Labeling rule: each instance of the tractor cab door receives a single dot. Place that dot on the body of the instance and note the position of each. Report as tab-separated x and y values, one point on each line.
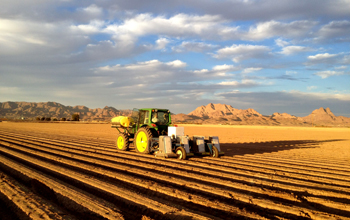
135	115
143	118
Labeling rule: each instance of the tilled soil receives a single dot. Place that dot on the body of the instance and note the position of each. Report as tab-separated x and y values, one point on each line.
47	174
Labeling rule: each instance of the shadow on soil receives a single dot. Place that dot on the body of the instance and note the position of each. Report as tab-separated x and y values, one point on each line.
232	149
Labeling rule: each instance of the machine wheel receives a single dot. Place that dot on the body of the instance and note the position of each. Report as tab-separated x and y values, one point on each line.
215	152
141	140
122	142
181	153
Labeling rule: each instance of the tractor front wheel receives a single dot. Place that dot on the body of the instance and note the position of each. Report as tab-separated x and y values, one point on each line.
181	153
122	142
142	140
215	152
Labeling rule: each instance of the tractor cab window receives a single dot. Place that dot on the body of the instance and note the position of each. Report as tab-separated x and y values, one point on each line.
135	114
160	118
144	116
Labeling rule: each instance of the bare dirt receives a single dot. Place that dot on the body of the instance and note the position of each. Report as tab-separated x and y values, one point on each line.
72	171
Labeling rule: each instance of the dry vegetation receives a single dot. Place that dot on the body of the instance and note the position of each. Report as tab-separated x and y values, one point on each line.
72	171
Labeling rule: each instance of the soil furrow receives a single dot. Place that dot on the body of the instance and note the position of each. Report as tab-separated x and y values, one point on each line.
23	204
97	186
335	180
63	194
258	177
274	176
322	170
317	165
260	202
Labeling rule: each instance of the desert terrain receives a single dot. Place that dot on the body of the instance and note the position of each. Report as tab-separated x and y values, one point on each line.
73	171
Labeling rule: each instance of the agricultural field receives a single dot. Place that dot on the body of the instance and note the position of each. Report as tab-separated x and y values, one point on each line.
73	171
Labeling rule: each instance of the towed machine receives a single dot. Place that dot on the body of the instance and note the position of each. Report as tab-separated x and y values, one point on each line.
151	132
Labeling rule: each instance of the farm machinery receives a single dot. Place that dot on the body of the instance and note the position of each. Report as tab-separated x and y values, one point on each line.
151	132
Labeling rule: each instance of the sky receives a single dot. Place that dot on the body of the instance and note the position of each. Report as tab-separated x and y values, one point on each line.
281	56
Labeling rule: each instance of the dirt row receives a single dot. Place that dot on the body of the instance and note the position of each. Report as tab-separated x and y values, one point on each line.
88	177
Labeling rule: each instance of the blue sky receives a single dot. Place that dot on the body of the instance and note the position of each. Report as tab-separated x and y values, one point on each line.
274	56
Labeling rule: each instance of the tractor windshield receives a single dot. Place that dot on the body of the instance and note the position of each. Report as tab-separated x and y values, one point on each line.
160	118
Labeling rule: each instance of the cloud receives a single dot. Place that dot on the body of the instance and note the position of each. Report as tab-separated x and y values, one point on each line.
328	73
340	67
93	9
281	43
251	69
270	29
324	58
198	47
242	52
335	31
177	64
243	83
175	26
311	87
291	50
161	43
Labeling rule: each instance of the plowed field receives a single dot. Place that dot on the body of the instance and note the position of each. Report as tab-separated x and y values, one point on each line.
73	171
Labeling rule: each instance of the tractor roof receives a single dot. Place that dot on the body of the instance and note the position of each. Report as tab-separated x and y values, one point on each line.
159	109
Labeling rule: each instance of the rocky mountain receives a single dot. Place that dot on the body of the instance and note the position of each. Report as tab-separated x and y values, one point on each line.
209	114
31	110
226	114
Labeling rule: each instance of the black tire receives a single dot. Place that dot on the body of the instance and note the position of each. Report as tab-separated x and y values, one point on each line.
181	152
142	140
122	142
215	152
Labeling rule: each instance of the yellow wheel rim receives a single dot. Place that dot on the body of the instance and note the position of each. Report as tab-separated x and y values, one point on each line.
179	154
141	141
120	142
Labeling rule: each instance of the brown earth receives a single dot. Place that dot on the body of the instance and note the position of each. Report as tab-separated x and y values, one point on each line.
72	171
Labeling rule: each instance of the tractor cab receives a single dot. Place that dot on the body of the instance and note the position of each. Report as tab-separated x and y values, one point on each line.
156	119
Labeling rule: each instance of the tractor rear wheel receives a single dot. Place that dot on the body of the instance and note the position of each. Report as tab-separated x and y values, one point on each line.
215	152
142	140
181	153
122	142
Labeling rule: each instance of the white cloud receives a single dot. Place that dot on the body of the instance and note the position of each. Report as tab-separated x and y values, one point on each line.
194	46
311	87
93	9
93	27
176	26
328	73
242	52
243	83
281	43
340	67
224	67
265	30
322	56
161	43
290	50
251	69
177	64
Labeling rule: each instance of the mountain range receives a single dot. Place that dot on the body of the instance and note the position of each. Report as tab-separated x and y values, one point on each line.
209	114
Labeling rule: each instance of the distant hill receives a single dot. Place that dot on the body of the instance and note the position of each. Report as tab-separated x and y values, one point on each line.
226	114
31	110
209	114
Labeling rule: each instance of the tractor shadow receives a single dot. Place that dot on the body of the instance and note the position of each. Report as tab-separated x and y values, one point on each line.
232	149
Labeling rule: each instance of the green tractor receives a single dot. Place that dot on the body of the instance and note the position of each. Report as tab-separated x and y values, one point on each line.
144	124
150	130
